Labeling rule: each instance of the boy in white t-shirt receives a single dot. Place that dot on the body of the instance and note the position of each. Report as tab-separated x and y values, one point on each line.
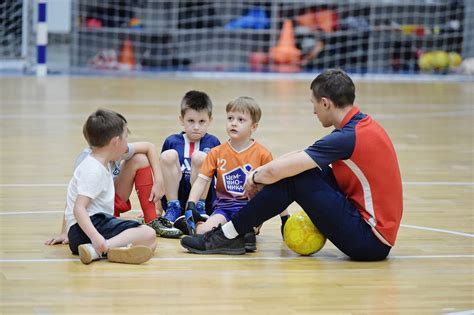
93	231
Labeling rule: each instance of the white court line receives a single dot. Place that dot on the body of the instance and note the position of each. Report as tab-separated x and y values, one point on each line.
436	230
30	212
433	183
467	312
32	185
233	258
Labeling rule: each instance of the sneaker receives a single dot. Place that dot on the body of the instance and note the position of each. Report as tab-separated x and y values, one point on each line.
164	228
87	253
201	207
181	225
137	254
250	242
173	212
213	242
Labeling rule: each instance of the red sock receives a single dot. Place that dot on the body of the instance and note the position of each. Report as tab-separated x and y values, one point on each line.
143	185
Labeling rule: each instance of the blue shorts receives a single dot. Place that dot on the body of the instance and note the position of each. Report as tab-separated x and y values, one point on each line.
107	225
227	213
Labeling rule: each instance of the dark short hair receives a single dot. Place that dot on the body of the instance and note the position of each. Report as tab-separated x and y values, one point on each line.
335	85
196	100
103	125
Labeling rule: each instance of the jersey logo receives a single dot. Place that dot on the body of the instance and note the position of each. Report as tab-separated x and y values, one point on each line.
186	168
234	180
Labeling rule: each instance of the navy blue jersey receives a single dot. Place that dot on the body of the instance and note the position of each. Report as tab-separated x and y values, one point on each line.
186	148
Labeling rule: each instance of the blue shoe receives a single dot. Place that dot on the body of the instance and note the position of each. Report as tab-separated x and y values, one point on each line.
173	212
201	208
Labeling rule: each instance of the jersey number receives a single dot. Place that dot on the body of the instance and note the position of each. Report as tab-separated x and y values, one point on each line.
221	164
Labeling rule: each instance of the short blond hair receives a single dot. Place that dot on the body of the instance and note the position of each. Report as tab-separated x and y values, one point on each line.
245	104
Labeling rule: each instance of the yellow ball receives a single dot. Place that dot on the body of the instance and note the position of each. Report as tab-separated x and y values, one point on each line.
455	59
425	62
440	60
301	236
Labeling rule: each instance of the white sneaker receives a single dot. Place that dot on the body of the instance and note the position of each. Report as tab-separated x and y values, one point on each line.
87	253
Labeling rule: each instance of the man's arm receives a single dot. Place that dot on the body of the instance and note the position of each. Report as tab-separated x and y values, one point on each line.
285	166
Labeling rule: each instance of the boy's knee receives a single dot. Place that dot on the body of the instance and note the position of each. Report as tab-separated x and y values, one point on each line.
198	158
148	233
169	156
139	160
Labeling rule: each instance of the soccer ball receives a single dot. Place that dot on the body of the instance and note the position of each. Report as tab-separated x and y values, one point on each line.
301	236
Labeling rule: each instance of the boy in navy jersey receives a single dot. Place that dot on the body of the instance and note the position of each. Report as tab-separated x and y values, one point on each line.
183	154
348	182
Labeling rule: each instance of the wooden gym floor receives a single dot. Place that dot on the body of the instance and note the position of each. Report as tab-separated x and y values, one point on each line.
429	271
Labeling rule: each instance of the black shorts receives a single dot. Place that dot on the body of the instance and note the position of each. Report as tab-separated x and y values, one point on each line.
107	225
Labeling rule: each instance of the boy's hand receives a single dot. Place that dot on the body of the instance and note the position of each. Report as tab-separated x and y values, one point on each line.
60	239
100	244
157	192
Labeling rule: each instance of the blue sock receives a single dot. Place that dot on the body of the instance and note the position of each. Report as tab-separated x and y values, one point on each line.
174	203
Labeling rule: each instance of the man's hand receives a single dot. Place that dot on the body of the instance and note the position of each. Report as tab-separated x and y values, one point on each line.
251	189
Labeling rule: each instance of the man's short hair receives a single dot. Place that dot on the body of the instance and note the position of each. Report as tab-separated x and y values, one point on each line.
335	85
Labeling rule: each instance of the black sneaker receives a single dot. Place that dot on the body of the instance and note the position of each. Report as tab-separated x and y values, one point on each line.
250	242
181	225
214	242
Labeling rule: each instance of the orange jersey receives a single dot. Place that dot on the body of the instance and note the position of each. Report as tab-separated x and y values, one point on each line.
231	168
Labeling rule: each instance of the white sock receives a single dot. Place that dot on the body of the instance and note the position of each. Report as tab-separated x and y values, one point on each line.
92	251
229	230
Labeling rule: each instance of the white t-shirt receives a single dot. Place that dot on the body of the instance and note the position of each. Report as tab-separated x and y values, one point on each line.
93	180
115	165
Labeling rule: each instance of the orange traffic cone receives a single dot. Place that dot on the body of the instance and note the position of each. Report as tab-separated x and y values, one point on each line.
127	59
285	56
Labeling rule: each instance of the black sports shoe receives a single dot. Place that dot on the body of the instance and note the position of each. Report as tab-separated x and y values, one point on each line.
181	225
214	242
250	242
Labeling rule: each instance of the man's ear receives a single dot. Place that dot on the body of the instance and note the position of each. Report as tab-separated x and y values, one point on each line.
327	103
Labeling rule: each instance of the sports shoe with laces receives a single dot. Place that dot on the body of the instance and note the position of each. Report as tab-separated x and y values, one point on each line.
250	242
173	211
213	242
164	228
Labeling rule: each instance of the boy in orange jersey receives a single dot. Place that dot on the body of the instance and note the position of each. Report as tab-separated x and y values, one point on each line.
231	162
